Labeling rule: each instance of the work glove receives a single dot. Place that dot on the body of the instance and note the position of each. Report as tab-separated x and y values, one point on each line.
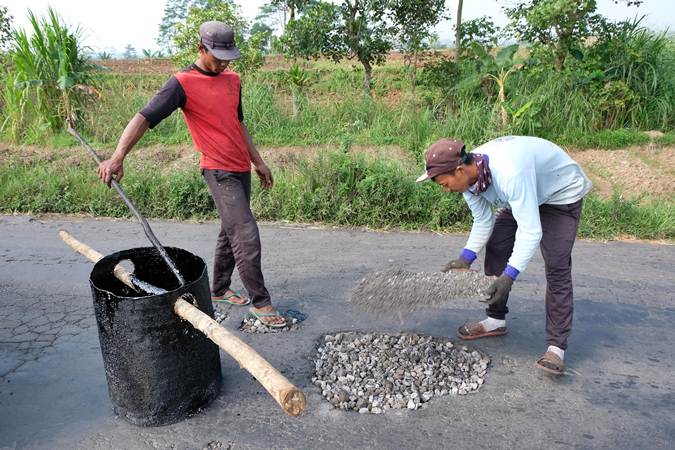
459	263
499	290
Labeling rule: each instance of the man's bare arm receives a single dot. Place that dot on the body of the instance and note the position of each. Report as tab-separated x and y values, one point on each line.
114	166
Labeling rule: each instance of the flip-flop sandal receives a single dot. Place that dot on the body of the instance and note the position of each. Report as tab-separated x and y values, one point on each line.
550	363
227	299
476	330
260	316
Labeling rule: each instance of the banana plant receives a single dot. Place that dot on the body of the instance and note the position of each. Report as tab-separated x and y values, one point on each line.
299	79
498	68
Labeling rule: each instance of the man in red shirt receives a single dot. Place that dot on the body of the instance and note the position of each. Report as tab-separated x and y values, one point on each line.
210	97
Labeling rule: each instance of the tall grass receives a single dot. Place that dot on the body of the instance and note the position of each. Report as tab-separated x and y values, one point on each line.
49	77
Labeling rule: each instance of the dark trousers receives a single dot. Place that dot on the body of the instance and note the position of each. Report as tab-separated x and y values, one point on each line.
239	240
559	224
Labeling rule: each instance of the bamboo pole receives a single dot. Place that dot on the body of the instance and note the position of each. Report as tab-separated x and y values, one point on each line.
290	398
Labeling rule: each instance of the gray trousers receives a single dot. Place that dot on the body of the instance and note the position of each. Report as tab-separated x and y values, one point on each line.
559	224
239	240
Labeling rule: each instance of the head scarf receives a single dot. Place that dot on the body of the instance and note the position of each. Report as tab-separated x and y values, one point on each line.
484	176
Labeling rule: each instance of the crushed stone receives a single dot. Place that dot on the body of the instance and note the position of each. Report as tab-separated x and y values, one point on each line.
400	291
293	320
374	372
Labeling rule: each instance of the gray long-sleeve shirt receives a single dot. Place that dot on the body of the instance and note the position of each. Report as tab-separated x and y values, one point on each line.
526	172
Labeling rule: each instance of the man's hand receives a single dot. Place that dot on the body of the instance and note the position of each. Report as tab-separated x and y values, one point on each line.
456	264
111	168
499	290
265	175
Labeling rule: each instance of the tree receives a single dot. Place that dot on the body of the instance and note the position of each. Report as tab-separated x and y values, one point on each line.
412	27
355	29
309	37
366	34
265	32
315	34
458	30
560	25
5	28
186	39
129	52
481	30
175	12
290	6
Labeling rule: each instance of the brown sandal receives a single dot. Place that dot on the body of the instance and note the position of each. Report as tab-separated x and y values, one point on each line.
476	330
550	363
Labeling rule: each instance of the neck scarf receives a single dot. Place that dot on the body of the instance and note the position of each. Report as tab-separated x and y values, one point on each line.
484	176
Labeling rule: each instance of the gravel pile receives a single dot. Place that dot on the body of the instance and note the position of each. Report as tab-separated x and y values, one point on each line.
220	313
252	325
373	373
400	291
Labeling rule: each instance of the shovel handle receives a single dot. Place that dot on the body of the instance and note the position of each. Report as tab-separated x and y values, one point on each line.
141	219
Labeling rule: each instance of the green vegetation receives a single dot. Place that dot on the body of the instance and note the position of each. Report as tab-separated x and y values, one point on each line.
333	187
49	80
578	80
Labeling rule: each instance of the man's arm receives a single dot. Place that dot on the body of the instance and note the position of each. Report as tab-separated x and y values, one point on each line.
169	98
114	167
481	229
260	167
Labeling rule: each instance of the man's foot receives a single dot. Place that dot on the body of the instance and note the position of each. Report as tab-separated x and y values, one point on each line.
269	316
231	297
485	328
551	363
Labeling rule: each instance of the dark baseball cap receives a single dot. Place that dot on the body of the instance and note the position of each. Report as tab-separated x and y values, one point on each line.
443	156
218	38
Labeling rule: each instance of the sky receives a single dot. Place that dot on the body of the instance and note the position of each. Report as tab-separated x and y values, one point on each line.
111	25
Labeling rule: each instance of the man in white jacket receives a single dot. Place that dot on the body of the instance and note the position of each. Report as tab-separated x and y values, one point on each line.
523	192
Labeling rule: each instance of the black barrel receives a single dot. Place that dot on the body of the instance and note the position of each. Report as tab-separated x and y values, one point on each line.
159	368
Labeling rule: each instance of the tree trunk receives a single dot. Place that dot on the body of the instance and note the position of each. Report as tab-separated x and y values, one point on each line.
559	61
294	104
501	82
413	74
367	77
458	30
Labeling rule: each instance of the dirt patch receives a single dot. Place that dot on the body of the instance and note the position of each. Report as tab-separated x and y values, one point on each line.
136	66
288	157
634	172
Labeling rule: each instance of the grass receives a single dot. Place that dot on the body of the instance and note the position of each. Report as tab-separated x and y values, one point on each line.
607	139
668	139
334	188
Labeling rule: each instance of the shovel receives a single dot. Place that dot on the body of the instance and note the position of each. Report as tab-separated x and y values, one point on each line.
141	219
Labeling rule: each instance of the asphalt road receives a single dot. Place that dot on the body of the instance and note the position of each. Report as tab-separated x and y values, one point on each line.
618	393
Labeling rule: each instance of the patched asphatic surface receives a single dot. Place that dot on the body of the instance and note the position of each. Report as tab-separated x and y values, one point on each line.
252	325
373	373
617	393
400	291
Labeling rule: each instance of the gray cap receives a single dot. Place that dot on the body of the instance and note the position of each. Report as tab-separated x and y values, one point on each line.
218	38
